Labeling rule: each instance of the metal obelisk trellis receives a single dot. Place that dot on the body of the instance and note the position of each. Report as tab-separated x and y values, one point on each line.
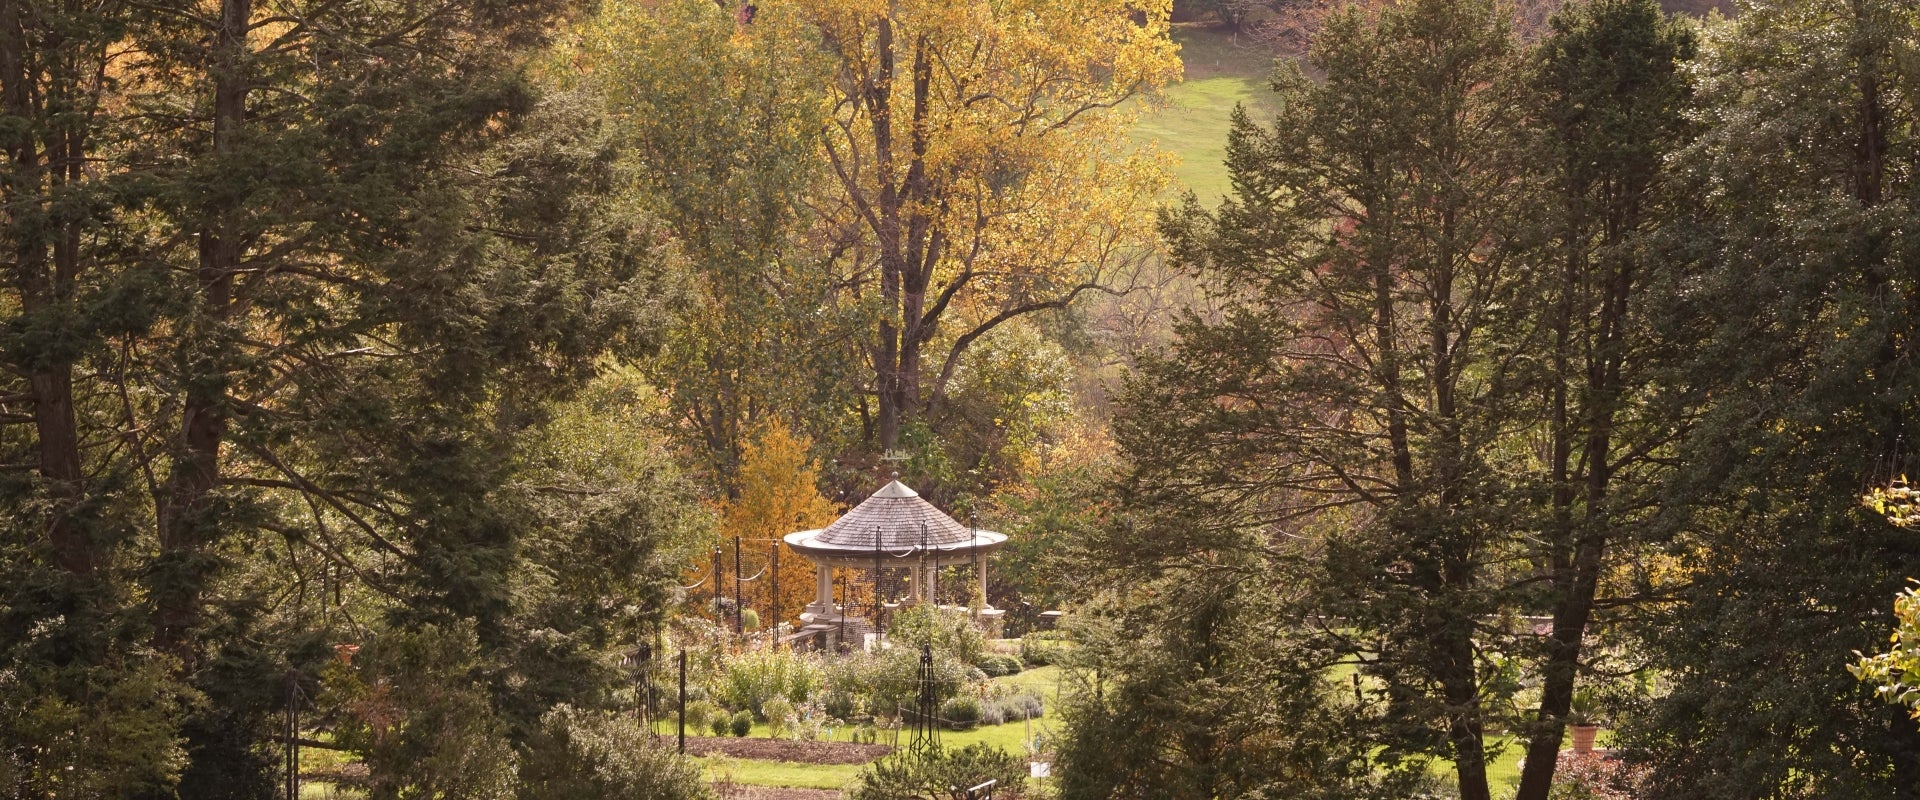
926	723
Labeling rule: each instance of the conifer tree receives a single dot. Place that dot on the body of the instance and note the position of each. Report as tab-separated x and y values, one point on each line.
1351	403
1608	100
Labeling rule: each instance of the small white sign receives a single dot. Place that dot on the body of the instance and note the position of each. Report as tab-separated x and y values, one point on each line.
1040	769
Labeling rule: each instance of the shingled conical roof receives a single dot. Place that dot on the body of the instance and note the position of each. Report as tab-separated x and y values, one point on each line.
897	525
900	518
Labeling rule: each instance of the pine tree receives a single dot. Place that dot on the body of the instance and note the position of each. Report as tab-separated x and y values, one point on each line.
1350	404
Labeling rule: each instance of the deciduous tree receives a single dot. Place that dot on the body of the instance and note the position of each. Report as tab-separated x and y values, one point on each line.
980	172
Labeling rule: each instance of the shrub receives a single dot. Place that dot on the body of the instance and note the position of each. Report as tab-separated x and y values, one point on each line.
911	774
748	680
840	704
718	725
1024	706
779	717
1592	776
742	723
992	713
1039	650
948	631
894	679
420	723
960	713
998	666
749	619
701	712
597	754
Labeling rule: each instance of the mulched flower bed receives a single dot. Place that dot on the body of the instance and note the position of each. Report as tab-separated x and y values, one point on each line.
787	750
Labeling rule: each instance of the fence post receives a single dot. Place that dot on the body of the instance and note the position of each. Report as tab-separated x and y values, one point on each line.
683	702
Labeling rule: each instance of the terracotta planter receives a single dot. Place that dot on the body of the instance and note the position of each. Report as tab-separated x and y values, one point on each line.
1583	737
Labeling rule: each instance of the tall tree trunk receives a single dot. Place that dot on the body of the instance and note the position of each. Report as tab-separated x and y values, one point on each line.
1556	694
1578	580
186	528
43	282
1461	687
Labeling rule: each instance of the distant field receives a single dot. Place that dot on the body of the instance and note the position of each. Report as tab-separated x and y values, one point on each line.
1192	122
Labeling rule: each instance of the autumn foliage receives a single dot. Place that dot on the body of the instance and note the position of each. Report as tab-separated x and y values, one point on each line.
775	495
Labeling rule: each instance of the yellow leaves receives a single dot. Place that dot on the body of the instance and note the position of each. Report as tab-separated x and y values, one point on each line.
775	491
1898	502
776	495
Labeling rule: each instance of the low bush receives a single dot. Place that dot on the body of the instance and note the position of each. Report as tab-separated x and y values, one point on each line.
1593	776
598	754
998	666
748	680
700	713
1041	649
914	774
779	717
719	725
742	723
946	631
840	704
1010	708
960	713
1022	706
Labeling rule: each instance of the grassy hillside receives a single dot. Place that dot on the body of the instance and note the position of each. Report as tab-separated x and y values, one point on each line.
1192	121
1223	71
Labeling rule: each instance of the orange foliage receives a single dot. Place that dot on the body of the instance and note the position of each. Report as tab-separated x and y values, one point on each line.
776	495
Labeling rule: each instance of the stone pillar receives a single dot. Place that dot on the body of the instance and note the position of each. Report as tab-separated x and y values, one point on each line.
984	605
913	579
822	605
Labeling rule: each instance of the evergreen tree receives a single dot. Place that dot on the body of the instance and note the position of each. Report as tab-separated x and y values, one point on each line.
1349	405
1802	189
1608	99
300	284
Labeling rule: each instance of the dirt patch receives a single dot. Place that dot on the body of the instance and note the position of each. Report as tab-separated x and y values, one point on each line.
787	750
738	792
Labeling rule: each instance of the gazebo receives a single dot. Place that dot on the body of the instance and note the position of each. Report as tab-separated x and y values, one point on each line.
892	529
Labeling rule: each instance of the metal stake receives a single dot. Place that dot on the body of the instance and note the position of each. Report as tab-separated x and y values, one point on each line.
683	702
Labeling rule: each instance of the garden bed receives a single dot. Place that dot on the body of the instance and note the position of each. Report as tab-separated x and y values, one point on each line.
787	750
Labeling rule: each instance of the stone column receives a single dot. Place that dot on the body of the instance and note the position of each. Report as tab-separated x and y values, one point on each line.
822	605
984	605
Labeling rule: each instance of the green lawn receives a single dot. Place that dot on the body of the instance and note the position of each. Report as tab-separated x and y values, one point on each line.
1044	680
1193	119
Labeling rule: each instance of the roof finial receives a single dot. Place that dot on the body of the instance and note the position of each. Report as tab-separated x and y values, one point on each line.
896	474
